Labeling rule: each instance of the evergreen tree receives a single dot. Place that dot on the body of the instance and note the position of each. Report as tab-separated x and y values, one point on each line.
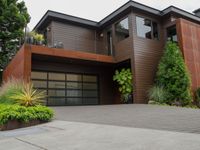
173	76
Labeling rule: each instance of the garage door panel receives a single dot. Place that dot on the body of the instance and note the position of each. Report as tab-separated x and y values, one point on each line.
67	88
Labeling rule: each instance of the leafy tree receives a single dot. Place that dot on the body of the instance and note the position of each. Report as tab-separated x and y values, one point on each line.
124	78
13	19
173	76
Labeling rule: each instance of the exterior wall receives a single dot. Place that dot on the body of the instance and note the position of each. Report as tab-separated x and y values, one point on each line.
105	73
74	37
20	66
147	53
189	39
123	49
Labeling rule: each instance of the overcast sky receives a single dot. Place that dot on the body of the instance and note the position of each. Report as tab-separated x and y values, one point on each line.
96	9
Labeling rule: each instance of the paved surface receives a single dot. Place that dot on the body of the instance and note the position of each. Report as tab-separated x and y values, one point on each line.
138	116
64	135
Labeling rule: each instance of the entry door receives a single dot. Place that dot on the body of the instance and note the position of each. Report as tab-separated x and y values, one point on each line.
67	88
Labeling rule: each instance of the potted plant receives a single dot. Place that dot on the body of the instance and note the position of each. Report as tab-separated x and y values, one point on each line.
35	38
39	39
124	79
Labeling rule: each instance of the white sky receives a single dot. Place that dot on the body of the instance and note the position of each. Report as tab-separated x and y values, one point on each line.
96	9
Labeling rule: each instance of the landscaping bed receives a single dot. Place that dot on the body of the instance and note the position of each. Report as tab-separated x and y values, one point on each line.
15	116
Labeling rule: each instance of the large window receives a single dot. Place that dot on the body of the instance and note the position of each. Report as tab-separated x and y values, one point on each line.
171	34
147	28
66	88
122	30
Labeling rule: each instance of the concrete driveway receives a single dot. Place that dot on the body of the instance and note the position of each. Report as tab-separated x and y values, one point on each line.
117	127
138	116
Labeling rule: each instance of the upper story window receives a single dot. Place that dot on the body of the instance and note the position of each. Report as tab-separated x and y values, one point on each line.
147	28
122	29
171	34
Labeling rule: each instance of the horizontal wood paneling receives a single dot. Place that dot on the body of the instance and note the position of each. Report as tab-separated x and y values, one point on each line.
74	37
147	54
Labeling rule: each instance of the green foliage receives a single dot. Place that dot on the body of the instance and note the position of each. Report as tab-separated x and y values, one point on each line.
36	37
124	79
18	92
28	96
24	114
13	19
157	94
197	94
173	76
8	89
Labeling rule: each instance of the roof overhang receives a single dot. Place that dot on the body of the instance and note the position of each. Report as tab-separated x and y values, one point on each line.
129	6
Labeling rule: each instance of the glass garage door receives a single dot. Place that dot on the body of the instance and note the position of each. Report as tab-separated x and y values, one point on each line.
66	88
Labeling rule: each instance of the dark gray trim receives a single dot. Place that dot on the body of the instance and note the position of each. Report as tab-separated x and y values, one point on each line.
173	9
52	15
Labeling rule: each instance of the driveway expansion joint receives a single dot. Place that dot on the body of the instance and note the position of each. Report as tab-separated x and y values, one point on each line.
40	147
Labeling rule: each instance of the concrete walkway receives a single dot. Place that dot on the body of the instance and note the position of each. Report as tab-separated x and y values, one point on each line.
138	116
63	135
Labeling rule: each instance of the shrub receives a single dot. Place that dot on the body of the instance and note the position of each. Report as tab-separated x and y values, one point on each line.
124	79
28	96
157	94
197	94
18	92
24	114
173	76
8	89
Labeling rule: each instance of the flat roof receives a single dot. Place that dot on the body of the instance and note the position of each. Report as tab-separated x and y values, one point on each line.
56	16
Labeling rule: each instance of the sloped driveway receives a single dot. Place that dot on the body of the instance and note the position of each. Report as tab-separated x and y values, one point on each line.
137	116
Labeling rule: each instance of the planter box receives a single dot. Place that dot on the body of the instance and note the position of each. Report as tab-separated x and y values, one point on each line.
14	124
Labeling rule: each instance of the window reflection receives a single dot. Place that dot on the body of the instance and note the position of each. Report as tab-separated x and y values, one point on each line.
122	30
147	28
171	34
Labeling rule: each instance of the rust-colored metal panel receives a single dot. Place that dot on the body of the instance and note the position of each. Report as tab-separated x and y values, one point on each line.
20	66
71	54
189	41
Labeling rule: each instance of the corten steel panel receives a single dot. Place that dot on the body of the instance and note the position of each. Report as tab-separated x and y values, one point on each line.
20	66
147	54
189	39
71	54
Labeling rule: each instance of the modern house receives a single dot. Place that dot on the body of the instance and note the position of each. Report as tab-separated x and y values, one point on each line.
77	64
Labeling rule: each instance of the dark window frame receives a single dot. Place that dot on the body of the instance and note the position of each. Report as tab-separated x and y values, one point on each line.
65	81
115	28
171	37
152	28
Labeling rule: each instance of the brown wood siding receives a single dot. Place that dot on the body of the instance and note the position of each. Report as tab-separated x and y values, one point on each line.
123	49
189	39
49	35
74	37
147	54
